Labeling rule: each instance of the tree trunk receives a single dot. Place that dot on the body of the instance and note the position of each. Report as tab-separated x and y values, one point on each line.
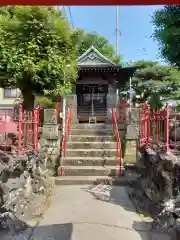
29	98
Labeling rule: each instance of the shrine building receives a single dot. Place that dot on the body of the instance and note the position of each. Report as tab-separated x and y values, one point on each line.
99	80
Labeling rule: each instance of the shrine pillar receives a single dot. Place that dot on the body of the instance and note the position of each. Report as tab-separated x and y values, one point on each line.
111	101
74	105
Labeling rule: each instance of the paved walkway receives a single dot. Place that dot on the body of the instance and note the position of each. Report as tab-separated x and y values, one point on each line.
85	213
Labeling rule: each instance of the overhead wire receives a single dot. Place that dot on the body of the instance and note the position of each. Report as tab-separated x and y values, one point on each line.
64	11
138	51
71	20
70	14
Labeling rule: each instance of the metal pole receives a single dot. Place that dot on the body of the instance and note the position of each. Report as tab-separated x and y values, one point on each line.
130	91
117	30
92	102
117	46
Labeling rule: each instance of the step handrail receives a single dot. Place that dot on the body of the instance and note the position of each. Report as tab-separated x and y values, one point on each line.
67	131
118	143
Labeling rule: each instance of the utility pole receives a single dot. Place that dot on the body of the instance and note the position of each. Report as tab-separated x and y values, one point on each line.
117	43
130	94
117	30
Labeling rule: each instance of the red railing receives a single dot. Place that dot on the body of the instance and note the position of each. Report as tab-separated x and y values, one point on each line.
160	129
165	130
19	130
118	144
144	132
67	131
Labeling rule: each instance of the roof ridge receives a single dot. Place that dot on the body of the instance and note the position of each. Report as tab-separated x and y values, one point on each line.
92	48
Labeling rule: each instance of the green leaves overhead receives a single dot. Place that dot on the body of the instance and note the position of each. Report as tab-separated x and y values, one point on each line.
86	40
37	50
167	32
151	77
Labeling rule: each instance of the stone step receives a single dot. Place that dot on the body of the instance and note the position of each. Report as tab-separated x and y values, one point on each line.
91	132
89	171
91	180
122	133
90	126
90	153
84	138
89	161
91	145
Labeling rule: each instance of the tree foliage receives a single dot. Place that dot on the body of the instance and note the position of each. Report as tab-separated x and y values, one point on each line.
37	51
152	78
86	40
155	101
167	32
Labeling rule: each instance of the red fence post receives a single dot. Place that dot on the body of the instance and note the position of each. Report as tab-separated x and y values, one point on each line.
148	124
35	116
166	116
20	130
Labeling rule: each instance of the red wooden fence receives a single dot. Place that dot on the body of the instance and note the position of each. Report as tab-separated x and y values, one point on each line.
160	129
157	128
19	130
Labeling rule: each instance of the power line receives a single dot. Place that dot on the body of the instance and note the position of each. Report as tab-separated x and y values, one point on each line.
64	11
117	31
135	52
70	14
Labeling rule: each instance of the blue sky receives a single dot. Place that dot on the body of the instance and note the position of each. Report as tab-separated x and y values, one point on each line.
134	23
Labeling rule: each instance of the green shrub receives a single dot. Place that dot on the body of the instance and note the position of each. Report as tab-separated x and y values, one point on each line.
178	106
155	102
46	102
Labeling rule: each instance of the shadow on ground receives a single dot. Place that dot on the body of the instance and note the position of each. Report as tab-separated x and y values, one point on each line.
119	195
111	194
53	232
46	232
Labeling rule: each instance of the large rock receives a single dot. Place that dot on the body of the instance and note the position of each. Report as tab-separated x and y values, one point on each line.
23	180
160	184
174	134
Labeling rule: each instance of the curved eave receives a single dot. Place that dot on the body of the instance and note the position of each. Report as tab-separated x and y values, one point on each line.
126	72
99	68
106	68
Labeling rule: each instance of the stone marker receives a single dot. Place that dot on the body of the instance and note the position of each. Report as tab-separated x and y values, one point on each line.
132	131
50	131
50	116
134	115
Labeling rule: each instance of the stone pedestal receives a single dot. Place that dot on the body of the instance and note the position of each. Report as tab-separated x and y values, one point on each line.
50	132
130	144
50	141
50	116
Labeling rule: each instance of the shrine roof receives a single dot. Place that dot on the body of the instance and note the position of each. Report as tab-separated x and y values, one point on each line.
93	61
92	57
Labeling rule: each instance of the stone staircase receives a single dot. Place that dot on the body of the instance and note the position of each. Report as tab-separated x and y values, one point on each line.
90	155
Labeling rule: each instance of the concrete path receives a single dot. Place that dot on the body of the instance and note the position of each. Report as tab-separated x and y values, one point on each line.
92	213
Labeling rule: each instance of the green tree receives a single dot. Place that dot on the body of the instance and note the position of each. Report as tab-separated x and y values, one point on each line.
167	32
37	51
155	101
151	77
86	40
